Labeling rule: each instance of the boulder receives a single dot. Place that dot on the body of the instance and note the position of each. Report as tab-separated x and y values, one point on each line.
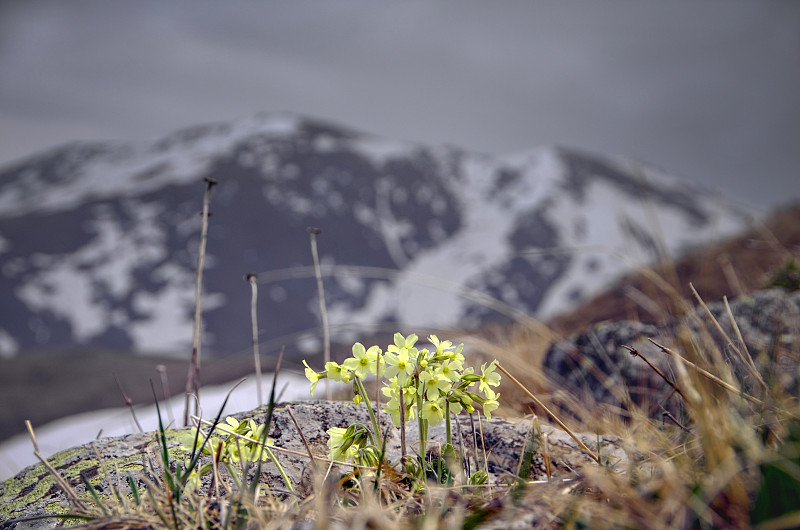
596	364
499	445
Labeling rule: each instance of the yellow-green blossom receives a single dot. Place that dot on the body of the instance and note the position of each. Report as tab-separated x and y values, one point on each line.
312	376
432	384
337	372
489	405
433	411
448	369
363	361
342	449
488	377
398	364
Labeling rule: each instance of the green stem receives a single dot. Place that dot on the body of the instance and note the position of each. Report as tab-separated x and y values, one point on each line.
447	417
363	393
402	425
423	434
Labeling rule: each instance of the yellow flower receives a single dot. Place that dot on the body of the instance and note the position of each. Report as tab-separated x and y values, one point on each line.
363	361
312	376
432	411
399	364
337	372
488	377
489	405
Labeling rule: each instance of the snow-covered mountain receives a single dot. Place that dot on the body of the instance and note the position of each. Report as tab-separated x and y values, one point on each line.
98	241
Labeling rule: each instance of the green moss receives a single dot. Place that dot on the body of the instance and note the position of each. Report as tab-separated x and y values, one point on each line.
36	483
787	276
34	486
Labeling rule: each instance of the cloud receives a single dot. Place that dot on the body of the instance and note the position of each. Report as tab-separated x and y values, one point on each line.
708	90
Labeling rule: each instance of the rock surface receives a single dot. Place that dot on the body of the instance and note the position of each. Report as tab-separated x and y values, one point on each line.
596	364
34	491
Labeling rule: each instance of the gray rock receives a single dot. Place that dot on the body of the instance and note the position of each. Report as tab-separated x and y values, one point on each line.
596	365
34	491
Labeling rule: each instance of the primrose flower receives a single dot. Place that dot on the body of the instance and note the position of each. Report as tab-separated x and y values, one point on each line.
440	345
401	342
363	361
433	383
447	369
489	405
312	376
432	411
341	446
392	407
488	377
398	364
337	372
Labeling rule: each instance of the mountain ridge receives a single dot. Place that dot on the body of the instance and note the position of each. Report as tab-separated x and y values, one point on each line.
98	241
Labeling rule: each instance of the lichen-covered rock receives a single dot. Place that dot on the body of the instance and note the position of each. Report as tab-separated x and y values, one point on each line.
596	364
499	441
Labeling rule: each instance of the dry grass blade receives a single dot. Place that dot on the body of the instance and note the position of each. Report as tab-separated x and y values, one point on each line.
746	362
300	431
550	413
193	379
128	402
661	374
251	279
323	311
707	374
63	484
747	358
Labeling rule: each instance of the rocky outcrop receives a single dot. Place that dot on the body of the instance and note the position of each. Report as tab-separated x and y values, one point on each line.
595	364
499	441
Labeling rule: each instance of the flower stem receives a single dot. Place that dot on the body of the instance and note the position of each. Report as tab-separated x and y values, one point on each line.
447	423
402	425
363	392
423	434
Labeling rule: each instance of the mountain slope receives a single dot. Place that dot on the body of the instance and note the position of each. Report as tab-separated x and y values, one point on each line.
98	241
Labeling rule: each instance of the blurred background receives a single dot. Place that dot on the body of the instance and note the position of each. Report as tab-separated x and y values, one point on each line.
104	144
707	91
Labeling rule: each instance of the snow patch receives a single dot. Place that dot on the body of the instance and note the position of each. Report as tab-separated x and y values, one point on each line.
16	453
179	158
9	347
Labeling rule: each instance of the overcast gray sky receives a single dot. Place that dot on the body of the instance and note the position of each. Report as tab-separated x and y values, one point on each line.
707	90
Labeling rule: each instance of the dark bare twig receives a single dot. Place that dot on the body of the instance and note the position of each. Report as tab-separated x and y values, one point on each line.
669	415
708	375
326	338
661	374
302	436
162	372
193	379
128	402
251	279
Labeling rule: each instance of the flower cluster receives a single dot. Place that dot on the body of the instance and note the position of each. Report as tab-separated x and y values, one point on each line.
426	385
239	443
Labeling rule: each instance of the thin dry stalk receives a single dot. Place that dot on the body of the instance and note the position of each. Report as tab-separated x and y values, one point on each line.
63	484
302	436
162	372
193	379
550	413
661	374
314	232
128	402
251	279
729	272
706	374
746	357
748	365
378	389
